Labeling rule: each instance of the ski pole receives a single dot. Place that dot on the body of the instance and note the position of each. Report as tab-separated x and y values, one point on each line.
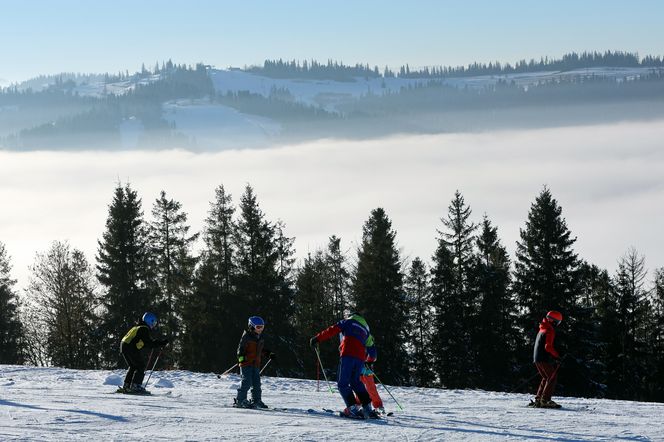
386	389
227	371
153	366
265	366
524	383
323	369
149	359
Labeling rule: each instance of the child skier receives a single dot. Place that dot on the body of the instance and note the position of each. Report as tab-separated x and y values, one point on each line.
367	378
355	343
249	353
137	338
547	360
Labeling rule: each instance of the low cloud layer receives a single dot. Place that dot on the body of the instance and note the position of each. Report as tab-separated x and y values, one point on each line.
608	179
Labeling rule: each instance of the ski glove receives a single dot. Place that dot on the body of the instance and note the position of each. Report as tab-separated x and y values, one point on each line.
272	356
163	342
313	342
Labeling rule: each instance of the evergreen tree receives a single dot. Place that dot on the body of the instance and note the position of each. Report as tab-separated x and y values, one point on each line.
213	309
547	277
657	338
597	295
11	329
446	345
172	266
263	290
496	336
122	269
62	298
420	320
339	280
455	296
314	309
629	365
378	292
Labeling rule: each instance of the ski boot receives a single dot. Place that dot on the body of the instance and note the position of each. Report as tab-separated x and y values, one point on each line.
243	403
137	389
354	412
535	403
258	404
369	412
549	404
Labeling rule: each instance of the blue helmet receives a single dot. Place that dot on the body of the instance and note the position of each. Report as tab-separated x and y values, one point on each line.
150	319
256	321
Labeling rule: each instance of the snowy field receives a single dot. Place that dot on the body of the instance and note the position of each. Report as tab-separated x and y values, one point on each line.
52	404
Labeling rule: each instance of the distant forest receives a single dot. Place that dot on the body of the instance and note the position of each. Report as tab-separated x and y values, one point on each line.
58	117
334	70
465	317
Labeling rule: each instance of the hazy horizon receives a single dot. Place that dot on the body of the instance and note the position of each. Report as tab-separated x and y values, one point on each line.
607	179
69	36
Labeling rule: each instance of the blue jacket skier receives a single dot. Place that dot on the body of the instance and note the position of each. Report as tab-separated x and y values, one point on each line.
356	342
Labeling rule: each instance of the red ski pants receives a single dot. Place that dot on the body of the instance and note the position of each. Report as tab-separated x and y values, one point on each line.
370	385
549	374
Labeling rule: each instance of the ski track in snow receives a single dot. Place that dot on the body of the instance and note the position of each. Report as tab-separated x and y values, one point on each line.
54	404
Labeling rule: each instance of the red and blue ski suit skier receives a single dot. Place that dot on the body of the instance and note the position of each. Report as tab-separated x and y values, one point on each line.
357	345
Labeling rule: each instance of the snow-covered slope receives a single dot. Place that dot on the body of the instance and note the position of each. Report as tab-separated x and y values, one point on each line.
51	404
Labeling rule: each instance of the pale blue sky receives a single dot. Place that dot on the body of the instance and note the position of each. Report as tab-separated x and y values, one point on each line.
51	36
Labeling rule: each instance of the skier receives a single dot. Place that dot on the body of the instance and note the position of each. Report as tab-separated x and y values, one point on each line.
249	353
356	342
137	338
367	378
547	360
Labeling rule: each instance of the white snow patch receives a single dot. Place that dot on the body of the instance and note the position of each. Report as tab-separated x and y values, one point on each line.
54	404
162	383
113	379
210	125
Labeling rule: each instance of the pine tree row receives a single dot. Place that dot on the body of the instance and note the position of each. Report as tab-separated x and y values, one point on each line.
466	320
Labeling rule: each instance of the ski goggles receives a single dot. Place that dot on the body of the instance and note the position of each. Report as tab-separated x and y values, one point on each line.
259	327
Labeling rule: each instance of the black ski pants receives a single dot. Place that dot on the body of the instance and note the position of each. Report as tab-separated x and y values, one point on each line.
251	378
136	371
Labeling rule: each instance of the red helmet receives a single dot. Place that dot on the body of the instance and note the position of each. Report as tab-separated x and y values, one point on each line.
555	316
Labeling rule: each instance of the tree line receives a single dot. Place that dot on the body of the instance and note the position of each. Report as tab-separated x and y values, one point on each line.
465	318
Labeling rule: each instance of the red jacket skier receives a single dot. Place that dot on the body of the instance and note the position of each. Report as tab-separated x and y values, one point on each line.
356	342
547	360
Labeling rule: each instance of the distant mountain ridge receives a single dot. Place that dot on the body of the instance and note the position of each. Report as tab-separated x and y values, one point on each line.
203	108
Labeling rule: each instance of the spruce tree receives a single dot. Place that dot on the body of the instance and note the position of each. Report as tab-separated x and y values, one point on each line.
629	364
597	296
378	292
314	310
11	329
455	296
261	285
547	277
495	332
172	267
212	309
339	280
63	302
123	271
657	338
546	269
447	348
420	321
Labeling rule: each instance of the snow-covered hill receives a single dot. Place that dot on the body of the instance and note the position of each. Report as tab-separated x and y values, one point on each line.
52	404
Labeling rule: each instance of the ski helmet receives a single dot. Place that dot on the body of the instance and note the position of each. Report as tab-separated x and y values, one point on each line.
256	321
150	319
555	316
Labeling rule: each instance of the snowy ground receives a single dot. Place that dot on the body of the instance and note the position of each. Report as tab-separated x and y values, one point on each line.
52	404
